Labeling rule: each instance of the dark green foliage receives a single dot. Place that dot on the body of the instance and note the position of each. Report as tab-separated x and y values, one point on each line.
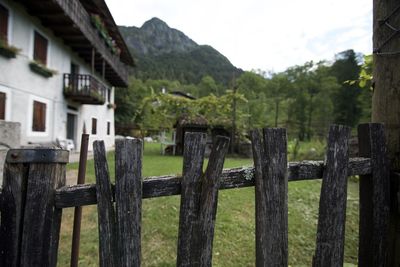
304	99
187	67
128	101
347	106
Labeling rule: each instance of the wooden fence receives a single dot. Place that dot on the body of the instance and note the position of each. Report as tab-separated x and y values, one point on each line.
33	196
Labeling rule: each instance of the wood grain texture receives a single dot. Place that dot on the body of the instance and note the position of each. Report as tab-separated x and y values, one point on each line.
106	215
12	209
209	201
60	181
193	157
128	197
42	220
374	197
81	195
270	161
332	207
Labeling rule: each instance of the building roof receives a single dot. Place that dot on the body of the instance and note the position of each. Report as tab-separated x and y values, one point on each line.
100	7
182	94
71	21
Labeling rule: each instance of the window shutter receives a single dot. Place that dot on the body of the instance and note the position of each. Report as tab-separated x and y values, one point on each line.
2	106
43	117
3	23
94	126
39	117
40	49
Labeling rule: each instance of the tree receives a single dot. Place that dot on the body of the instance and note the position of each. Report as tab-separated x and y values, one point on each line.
129	100
253	87
347	106
207	86
365	82
277	89
312	87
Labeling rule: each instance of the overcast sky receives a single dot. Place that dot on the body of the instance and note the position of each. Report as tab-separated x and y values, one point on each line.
261	34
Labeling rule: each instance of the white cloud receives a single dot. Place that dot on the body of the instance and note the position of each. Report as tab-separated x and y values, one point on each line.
261	34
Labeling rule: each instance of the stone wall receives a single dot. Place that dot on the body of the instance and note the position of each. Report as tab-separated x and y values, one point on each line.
10	137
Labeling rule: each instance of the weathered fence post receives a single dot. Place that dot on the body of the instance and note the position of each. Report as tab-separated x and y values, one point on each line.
128	198
30	223
199	198
270	162
329	249
108	246
374	197
193	157
119	229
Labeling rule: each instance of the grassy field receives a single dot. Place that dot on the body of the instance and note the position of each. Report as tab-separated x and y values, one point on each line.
234	233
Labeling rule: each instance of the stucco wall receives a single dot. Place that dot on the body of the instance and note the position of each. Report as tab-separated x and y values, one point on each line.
22	86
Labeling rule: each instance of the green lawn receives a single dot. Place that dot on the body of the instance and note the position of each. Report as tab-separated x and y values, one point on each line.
234	233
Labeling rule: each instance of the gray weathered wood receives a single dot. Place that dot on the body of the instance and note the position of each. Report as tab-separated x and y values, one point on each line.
128	198
209	200
193	157
270	161
12	208
105	209
60	181
30	223
81	195
374	197
332	207
42	221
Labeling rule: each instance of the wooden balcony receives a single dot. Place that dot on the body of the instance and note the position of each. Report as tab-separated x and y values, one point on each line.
70	21
84	89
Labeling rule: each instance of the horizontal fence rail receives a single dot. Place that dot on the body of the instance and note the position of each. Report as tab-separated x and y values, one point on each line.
82	195
34	194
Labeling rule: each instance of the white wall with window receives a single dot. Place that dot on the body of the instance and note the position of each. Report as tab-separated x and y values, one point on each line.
6	19
5	103
22	86
39	116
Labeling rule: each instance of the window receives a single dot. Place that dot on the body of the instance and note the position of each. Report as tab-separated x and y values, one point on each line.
2	106
39	117
94	126
4	23
40	44
108	128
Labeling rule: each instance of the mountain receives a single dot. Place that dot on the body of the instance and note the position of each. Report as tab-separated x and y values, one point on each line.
162	52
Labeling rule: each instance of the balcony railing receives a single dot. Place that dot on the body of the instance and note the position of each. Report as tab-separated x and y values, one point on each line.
84	89
71	22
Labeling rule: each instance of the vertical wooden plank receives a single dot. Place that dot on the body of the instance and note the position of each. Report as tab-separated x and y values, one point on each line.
209	200
193	157
13	202
128	197
332	207
41	219
270	161
259	159
28	212
374	197
60	181
105	209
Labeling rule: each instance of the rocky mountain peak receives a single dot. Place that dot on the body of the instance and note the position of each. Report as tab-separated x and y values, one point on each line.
163	52
155	37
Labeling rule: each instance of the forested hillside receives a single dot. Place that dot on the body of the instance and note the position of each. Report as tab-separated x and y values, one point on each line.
165	53
305	99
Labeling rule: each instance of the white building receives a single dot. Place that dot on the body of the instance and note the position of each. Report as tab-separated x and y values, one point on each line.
60	61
